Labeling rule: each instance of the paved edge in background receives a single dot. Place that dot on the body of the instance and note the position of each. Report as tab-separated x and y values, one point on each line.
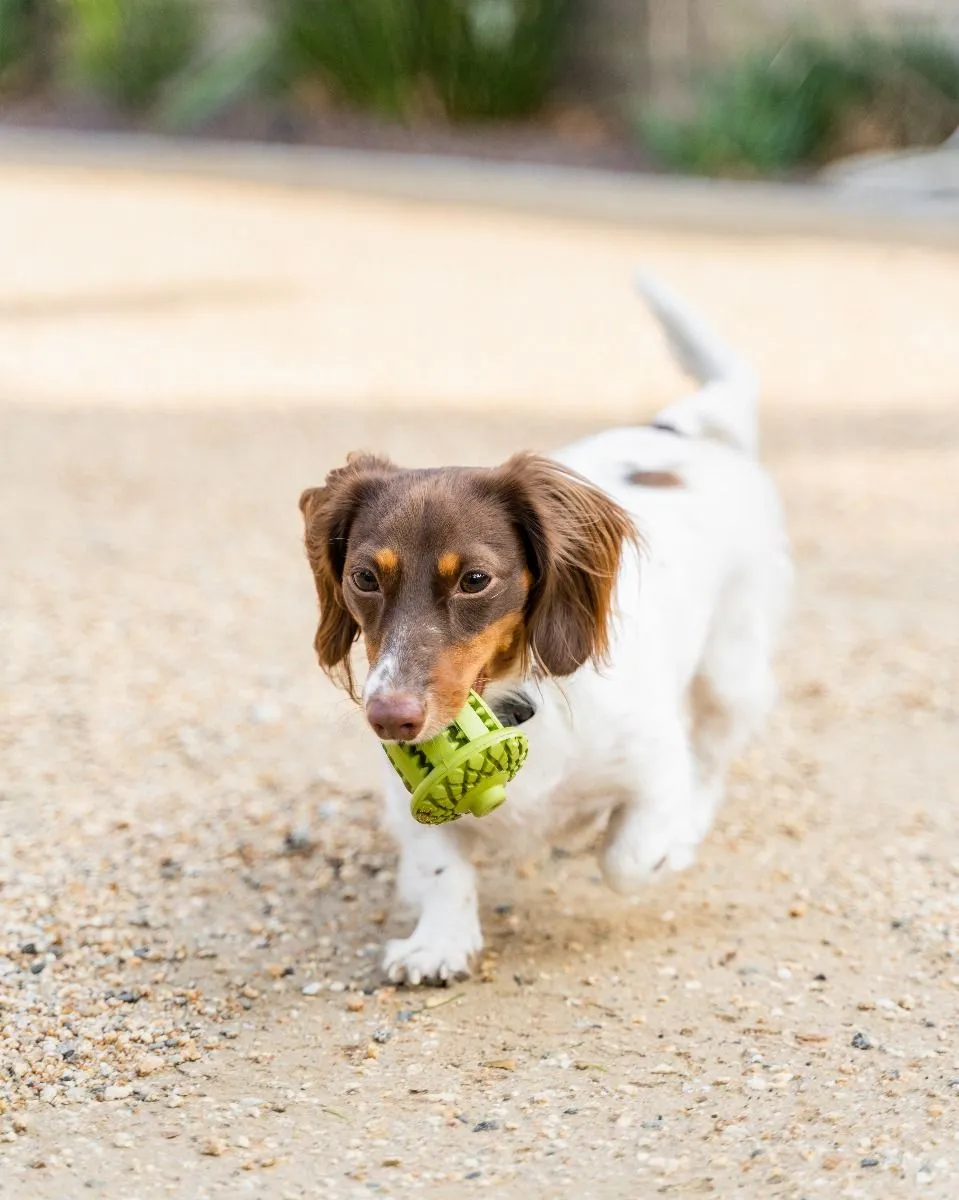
708	206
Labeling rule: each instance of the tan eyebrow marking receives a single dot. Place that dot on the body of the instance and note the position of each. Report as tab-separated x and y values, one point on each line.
448	565
386	559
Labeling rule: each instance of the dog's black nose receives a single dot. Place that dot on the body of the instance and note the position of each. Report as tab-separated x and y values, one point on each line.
396	716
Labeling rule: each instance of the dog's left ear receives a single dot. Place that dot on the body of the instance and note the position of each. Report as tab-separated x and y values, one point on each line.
328	515
573	535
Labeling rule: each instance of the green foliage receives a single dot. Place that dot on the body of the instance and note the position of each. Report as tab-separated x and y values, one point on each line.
129	49
366	49
491	58
481	58
794	108
26	29
14	33
471	58
933	60
211	86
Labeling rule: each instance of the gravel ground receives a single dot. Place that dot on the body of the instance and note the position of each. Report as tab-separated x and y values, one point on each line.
192	887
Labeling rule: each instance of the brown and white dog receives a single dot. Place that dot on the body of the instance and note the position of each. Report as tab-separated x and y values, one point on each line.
621	600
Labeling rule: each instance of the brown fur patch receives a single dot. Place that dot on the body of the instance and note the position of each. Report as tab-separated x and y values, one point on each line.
655	479
448	565
386	559
489	653
328	514
372	647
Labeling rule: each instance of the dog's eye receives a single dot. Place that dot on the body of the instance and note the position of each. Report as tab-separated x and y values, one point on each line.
474	581
365	581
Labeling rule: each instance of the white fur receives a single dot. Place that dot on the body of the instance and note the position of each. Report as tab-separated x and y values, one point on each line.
645	742
380	679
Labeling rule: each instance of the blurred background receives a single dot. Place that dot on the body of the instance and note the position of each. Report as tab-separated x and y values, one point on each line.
745	87
202	310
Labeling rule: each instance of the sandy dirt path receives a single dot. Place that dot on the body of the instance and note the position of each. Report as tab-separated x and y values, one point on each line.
192	888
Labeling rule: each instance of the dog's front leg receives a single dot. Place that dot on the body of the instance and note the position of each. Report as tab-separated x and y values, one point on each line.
438	879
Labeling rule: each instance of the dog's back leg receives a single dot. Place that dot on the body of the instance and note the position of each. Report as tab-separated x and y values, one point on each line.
735	689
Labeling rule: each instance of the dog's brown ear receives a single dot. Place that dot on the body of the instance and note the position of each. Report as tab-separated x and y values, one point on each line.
328	514
573	535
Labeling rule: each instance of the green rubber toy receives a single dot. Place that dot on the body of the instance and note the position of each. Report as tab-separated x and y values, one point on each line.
464	769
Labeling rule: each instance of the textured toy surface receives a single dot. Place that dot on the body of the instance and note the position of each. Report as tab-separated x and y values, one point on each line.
464	769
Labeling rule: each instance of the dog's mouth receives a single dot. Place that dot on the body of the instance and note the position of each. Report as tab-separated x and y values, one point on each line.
514	708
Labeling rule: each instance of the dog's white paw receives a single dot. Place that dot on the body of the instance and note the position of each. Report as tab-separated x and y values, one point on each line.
639	850
432	959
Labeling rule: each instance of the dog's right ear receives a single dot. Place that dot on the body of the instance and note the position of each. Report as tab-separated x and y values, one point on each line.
328	515
573	535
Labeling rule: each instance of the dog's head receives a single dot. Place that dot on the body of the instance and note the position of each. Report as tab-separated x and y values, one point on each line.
456	577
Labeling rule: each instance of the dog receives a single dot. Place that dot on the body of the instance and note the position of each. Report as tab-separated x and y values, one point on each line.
620	602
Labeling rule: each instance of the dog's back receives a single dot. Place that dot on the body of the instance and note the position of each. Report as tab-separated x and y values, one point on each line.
699	606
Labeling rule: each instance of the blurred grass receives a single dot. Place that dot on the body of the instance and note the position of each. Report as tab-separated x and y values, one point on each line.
27	34
367	50
129	49
468	59
811	100
492	58
14	32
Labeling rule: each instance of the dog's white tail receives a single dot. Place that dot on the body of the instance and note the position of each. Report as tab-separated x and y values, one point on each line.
724	409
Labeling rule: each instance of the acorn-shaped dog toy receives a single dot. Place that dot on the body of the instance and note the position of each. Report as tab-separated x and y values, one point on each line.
464	769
